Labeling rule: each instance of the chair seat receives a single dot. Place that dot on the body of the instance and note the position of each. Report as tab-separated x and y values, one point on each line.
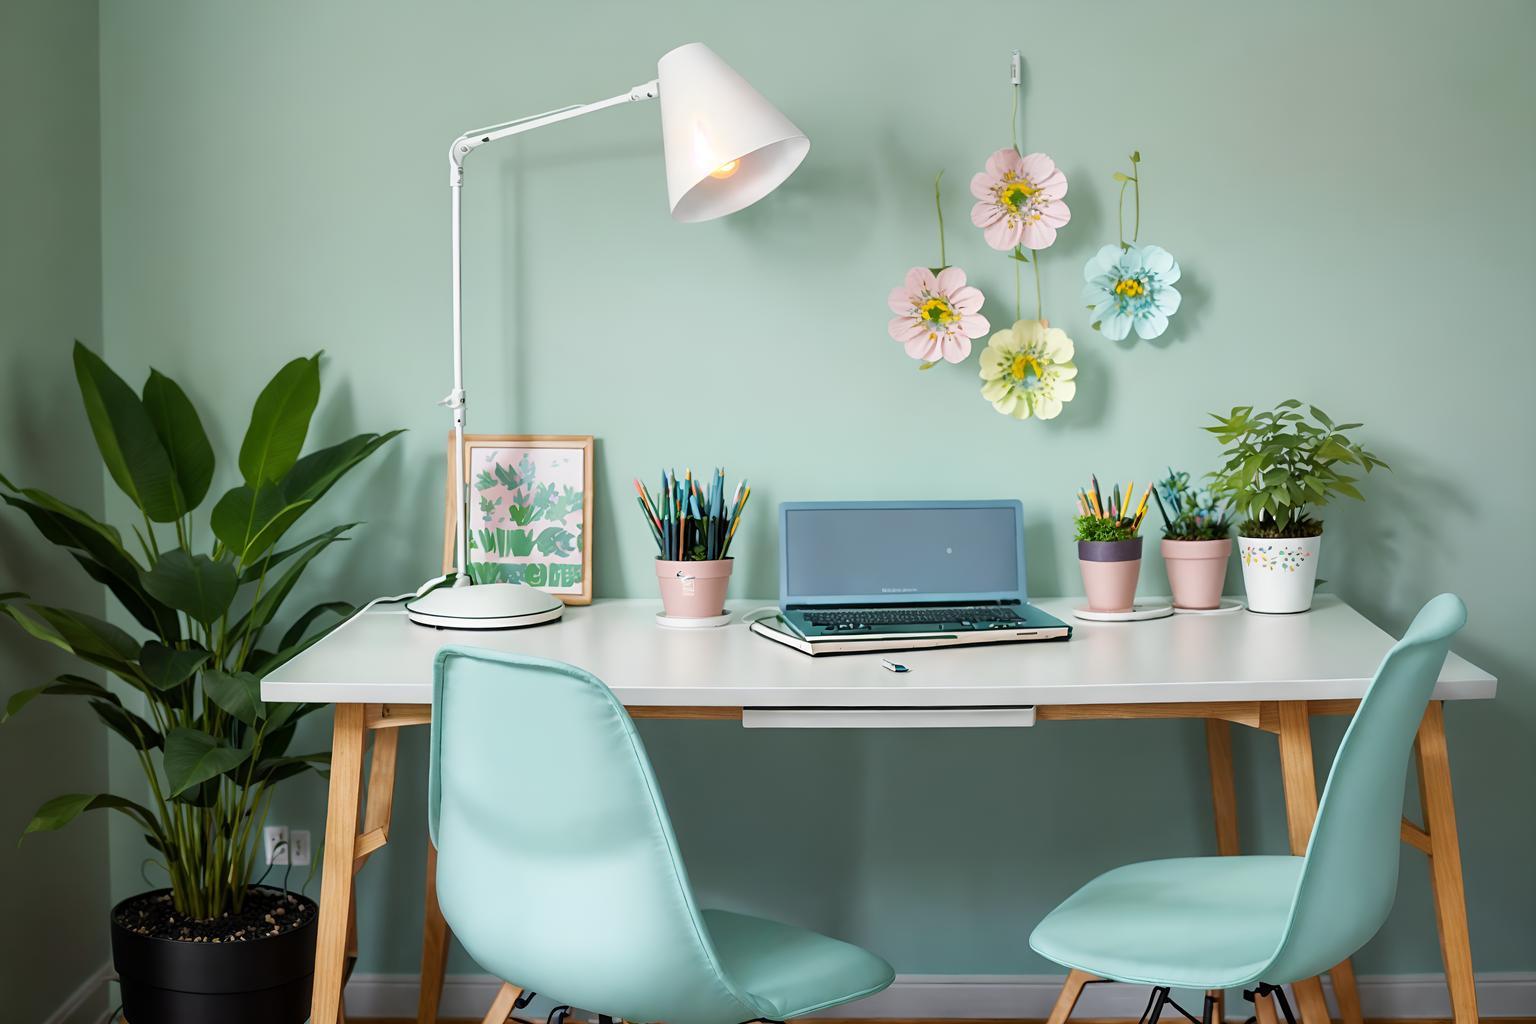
791	971
1194	922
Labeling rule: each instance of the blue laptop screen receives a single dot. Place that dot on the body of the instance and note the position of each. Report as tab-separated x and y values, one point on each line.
885	553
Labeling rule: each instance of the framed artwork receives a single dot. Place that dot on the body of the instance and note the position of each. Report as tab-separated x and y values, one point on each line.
529	519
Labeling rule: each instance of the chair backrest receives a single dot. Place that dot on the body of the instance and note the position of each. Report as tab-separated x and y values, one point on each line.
1349	879
557	867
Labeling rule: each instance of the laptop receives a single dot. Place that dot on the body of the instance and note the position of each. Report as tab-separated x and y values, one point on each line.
894	575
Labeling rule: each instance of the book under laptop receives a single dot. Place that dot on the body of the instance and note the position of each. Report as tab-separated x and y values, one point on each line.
900	575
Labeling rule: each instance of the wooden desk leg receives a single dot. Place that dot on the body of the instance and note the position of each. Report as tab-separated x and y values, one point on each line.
340	846
1299	774
434	948
1445	863
1218	749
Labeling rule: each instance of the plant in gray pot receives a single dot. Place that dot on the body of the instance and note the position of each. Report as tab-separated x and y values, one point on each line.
1109	547
210	946
1279	465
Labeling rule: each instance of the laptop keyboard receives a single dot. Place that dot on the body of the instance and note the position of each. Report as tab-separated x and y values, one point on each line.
858	618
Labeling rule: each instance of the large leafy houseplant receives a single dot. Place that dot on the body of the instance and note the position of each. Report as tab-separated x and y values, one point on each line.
211	750
1282	463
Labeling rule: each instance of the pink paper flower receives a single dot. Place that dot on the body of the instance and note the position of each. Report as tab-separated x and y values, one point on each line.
937	315
1020	200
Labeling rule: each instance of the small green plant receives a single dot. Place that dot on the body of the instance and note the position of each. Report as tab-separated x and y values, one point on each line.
1190	513
1095	528
1281	463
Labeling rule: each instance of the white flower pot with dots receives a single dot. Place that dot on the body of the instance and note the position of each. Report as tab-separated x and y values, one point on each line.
1279	573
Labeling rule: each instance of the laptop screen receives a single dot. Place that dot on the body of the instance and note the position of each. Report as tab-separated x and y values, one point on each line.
908	552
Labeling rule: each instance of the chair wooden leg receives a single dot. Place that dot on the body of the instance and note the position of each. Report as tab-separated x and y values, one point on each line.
1264	1009
1219	1007
501	1008
1071	991
434	948
1445	863
1299	774
340	848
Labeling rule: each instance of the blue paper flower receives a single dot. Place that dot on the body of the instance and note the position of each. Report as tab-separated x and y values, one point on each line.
1131	287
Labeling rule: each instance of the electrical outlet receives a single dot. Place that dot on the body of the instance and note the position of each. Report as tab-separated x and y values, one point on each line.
298	846
277	845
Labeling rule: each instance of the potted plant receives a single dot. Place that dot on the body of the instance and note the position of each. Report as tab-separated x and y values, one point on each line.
693	526
1109	546
1279	465
1195	545
210	946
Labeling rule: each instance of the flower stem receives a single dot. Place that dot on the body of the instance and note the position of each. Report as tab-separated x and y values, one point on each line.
1039	306
1120	213
1014	120
1018	291
939	206
1136	188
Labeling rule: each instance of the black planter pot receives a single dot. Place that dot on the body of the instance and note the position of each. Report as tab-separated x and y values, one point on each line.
264	981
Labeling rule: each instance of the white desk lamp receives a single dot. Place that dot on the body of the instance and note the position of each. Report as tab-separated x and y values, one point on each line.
726	147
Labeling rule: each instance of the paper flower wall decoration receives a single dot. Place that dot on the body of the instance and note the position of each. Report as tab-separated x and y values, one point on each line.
1028	370
1019	200
937	313
1020	203
1131	285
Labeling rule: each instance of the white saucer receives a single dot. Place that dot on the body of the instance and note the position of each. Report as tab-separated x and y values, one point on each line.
1140	612
1227	606
666	622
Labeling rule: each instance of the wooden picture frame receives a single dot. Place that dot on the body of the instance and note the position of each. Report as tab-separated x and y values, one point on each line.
544	534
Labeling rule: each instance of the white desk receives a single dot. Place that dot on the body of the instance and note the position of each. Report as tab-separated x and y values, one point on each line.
1266	672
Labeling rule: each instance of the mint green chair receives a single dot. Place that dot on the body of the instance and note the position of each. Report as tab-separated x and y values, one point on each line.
1231	922
559	873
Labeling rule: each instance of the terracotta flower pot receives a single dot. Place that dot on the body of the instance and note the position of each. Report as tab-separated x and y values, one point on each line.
1110	570
693	590
1197	569
1279	573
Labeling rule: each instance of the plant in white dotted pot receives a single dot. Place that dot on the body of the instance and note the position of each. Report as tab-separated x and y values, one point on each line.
1280	465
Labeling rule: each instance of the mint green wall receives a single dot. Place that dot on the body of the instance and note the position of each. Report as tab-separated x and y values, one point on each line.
50	293
1346	187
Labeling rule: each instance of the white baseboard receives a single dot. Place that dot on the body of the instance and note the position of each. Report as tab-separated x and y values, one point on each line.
994	995
86	1004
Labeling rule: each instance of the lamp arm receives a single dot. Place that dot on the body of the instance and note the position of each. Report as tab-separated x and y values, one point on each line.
463	146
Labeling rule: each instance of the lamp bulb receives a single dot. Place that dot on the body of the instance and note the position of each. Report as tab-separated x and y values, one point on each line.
725	170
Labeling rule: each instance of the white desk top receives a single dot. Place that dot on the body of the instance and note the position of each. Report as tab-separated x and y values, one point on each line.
1330	652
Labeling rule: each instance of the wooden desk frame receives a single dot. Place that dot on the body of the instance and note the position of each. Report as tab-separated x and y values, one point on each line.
347	849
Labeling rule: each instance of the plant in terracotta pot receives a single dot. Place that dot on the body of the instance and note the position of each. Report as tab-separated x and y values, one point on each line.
1280	466
1109	546
1196	541
693	525
203	630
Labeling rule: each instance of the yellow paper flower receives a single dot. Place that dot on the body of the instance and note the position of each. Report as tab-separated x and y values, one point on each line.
1028	370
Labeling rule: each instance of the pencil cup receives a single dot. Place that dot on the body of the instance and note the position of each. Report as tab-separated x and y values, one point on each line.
1110	569
693	590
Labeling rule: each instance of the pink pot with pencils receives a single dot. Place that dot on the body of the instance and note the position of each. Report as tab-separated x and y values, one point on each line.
1109	544
1110	571
693	522
693	590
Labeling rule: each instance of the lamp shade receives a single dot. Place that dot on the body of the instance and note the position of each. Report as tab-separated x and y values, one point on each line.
726	146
